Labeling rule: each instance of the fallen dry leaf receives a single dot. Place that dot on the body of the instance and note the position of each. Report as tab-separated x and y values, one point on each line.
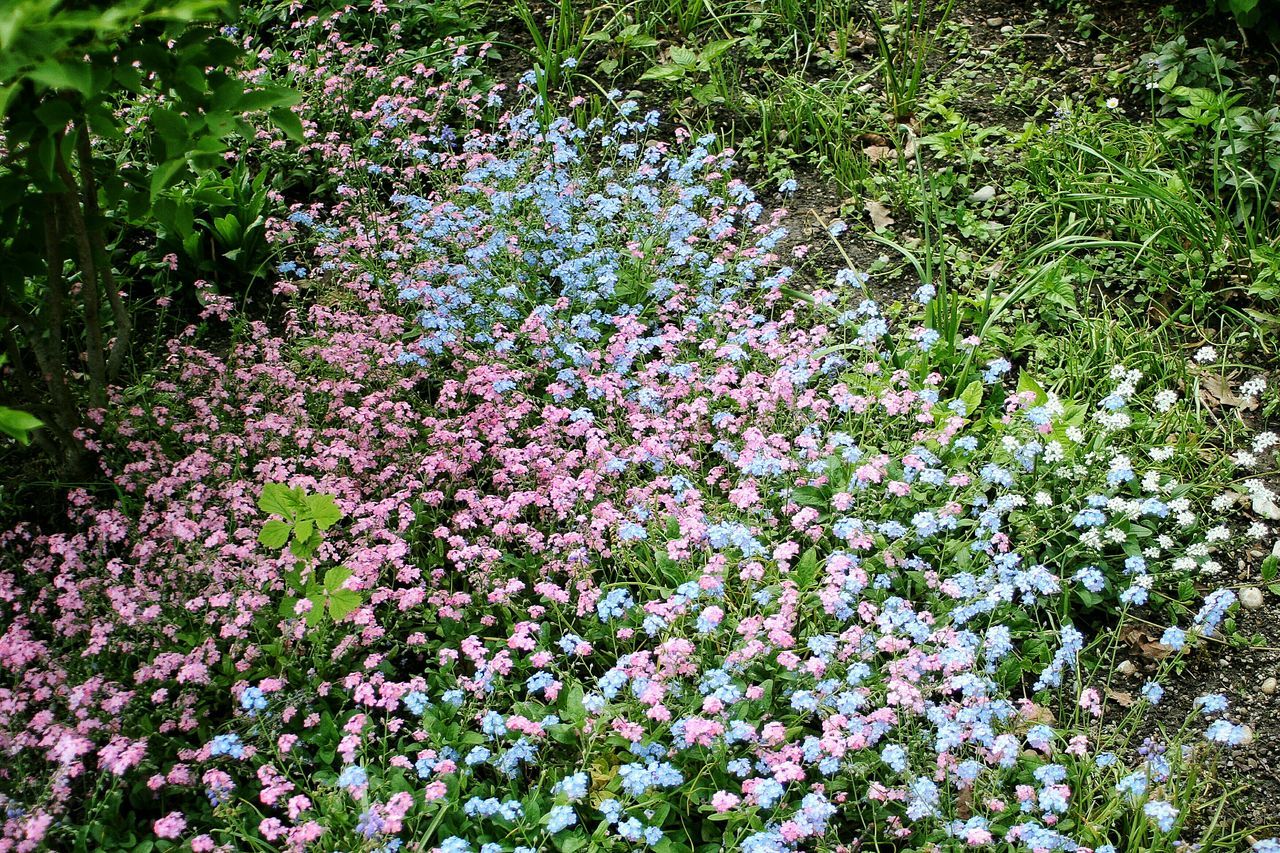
880	218
1121	697
1215	391
876	153
1145	644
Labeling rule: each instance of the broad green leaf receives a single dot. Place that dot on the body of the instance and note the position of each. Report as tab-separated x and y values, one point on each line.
268	97
324	510
276	499
807	569
288	122
336	577
275	533
303	529
316	613
342	602
1026	382
18	425
972	397
165	174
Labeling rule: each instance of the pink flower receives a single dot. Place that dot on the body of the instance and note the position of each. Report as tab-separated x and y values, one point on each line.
170	826
722	801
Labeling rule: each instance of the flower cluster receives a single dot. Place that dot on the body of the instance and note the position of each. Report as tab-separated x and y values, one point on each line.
652	553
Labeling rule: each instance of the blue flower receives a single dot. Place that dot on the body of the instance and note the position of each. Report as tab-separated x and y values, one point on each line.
560	817
353	776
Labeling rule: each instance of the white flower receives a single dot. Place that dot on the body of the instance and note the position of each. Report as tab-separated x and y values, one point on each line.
1161	454
1218	534
1053	452
1151	481
1044	498
1112	421
1223	502
1184	564
1075	435
1244	459
1210	567
1198	549
1258	489
1166	400
1151	553
1118	372
1206	354
1090	539
1186	519
1264	441
1254	387
1115	535
1164	540
1112	103
1180	504
1257	530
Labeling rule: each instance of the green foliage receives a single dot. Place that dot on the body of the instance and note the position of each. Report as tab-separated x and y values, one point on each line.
83	170
18	425
906	38
299	525
1262	14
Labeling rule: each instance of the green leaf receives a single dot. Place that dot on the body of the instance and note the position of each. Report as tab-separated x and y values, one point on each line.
277	499
316	613
664	73
972	397
343	602
275	533
288	122
324	510
62	76
266	98
807	569
165	175
1026	382
336	577
18	425
303	529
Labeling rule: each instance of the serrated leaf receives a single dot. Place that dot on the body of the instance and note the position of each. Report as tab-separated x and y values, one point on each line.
277	499
275	533
343	602
316	613
336	577
303	529
324	509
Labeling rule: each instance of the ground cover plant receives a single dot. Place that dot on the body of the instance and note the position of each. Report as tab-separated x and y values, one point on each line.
510	469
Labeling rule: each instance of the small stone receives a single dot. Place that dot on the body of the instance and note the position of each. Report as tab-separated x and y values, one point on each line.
1099	59
984	194
995	22
1266	508
1126	667
1275	549
1006	29
1251	598
1268	686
